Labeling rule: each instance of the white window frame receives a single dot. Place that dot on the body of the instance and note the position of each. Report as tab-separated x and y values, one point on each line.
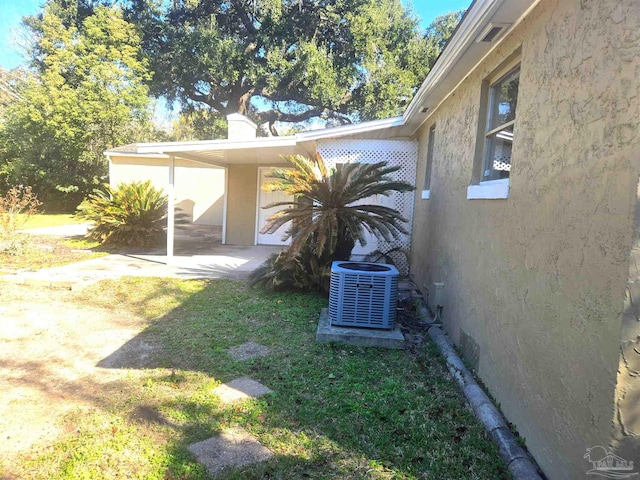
498	188
426	191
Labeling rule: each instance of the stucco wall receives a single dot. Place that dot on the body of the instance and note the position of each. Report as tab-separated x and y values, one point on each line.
534	284
241	204
199	190
626	435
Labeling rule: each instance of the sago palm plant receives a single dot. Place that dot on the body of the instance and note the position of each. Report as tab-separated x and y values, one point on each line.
327	216
132	214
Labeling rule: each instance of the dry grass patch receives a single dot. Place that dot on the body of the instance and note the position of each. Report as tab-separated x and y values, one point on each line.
26	252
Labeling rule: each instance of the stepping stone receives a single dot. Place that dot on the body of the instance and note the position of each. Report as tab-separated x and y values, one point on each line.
231	449
248	350
240	389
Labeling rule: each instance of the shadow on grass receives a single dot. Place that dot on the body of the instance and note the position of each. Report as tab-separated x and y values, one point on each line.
336	411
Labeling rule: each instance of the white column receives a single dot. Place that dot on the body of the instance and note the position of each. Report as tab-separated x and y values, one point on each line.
171	209
224	205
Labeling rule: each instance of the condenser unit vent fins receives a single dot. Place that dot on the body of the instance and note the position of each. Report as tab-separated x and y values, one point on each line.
363	295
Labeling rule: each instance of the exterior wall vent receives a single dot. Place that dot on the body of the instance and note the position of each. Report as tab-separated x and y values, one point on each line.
363	294
491	32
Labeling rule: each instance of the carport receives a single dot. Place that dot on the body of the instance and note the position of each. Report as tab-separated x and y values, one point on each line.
245	160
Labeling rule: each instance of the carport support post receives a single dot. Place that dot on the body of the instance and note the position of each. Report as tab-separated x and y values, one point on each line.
171	219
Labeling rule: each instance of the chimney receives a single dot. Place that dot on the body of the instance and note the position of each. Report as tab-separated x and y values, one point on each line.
240	127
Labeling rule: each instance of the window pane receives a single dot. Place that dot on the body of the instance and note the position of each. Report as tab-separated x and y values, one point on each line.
498	159
505	97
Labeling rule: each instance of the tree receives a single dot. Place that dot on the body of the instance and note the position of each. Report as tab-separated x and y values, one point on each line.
439	32
327	217
198	124
10	81
289	60
87	95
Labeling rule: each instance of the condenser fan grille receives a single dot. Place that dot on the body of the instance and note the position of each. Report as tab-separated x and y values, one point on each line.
363	295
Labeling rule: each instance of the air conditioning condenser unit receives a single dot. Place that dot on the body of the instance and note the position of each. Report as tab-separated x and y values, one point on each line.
363	294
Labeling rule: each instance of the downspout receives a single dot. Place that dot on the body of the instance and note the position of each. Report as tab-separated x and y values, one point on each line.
171	210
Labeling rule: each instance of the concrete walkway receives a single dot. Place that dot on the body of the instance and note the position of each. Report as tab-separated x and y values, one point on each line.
224	261
199	254
60	231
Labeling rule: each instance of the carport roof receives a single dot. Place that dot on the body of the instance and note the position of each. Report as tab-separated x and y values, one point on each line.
256	150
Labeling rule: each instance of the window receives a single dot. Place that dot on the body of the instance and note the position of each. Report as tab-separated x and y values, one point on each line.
501	116
427	176
500	100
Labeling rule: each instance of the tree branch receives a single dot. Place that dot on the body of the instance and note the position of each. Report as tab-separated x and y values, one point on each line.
271	116
244	17
197	96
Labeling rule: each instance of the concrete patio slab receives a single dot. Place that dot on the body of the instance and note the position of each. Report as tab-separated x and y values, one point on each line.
225	261
365	337
240	389
247	351
198	254
231	449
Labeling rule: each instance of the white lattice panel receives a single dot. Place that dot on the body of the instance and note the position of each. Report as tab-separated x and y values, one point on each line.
403	153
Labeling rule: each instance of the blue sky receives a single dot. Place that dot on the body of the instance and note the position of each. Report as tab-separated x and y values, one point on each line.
13	10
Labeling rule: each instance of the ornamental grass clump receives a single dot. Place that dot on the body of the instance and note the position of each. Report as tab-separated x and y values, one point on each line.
132	215
16	207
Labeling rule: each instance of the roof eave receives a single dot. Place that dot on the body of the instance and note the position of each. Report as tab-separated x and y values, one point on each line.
352	129
177	147
476	19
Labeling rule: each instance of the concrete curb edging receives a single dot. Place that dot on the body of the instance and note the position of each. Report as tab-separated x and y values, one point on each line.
516	457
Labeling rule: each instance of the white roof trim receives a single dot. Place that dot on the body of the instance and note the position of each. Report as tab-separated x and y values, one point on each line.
116	153
175	147
351	129
480	13
167	148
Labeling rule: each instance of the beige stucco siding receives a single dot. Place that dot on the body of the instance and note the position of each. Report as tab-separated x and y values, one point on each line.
199	189
534	284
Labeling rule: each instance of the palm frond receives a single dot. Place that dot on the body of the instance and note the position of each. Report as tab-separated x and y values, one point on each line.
329	214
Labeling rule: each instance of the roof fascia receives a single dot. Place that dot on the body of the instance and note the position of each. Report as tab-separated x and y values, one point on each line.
177	147
352	129
116	153
473	22
429	83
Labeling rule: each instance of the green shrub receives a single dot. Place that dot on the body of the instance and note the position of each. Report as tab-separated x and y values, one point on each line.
132	214
326	218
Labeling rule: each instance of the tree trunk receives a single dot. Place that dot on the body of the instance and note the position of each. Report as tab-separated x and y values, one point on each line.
344	246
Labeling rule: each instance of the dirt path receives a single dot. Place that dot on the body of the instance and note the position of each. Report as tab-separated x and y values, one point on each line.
49	350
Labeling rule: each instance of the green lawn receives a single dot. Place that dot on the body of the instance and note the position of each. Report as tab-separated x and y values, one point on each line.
49	220
338	412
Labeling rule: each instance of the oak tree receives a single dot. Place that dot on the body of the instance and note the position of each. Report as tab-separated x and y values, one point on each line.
287	60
